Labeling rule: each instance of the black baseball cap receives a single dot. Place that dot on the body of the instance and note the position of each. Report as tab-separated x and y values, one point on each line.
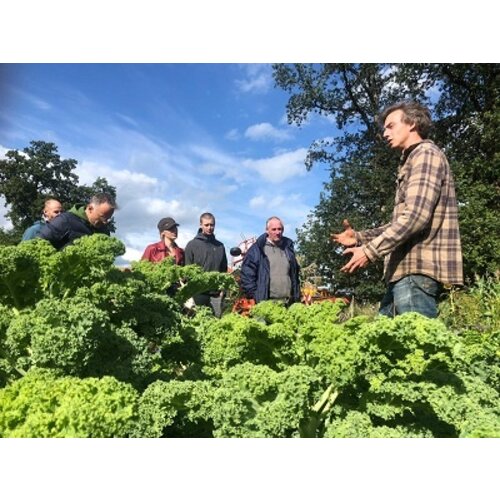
166	224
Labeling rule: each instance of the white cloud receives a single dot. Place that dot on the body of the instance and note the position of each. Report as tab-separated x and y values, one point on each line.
257	202
88	171
289	207
3	152
4	223
258	79
280	167
132	254
212	162
265	131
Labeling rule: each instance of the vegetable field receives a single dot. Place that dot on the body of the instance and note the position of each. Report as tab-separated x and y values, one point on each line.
89	350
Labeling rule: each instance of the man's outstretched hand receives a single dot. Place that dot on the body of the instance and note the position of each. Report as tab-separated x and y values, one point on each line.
347	238
357	261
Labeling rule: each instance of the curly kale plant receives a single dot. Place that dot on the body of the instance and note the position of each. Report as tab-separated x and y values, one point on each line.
234	339
33	270
88	260
256	401
22	271
62	334
42	404
409	374
176	409
77	338
181	281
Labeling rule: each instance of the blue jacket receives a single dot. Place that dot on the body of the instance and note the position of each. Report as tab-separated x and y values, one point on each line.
33	231
255	272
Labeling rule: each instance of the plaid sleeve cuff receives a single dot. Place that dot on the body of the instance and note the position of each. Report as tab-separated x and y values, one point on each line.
370	252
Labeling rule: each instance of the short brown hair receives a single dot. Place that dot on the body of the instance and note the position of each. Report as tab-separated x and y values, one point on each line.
414	113
207	215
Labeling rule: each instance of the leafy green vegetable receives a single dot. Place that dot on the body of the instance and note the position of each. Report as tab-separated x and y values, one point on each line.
176	409
22	268
69	317
43	405
356	424
255	401
56	334
182	281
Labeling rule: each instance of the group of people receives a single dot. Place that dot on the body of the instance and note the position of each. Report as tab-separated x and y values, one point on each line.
269	270
420	246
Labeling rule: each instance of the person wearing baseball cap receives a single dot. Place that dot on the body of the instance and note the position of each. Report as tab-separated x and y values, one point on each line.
167	247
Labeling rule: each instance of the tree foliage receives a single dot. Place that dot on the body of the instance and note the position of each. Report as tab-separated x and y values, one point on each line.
464	102
30	176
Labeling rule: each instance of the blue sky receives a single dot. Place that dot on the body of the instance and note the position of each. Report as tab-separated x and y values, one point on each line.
175	139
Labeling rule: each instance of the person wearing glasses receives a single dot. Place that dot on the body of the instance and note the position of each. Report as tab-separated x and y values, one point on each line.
51	208
80	221
209	253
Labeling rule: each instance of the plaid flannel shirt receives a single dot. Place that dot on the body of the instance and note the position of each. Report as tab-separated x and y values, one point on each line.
423	236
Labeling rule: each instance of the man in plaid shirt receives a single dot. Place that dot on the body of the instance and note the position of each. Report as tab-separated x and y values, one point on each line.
421	245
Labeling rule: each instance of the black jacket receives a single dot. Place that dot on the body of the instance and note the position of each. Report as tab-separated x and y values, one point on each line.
255	272
207	252
67	227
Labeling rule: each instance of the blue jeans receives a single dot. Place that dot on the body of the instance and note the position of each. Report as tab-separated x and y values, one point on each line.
413	293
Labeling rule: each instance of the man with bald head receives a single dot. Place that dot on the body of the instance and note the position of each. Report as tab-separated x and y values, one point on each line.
52	208
270	270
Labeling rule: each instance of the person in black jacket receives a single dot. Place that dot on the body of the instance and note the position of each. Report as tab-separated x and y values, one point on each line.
210	254
80	221
270	270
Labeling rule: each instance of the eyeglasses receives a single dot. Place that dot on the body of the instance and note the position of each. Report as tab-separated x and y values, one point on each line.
104	218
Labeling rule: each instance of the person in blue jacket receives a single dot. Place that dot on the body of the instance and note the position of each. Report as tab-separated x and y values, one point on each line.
270	270
51	208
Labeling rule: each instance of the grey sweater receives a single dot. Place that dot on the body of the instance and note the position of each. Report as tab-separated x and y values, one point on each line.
280	284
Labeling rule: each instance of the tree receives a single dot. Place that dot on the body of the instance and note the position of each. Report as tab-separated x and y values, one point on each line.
362	168
29	177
